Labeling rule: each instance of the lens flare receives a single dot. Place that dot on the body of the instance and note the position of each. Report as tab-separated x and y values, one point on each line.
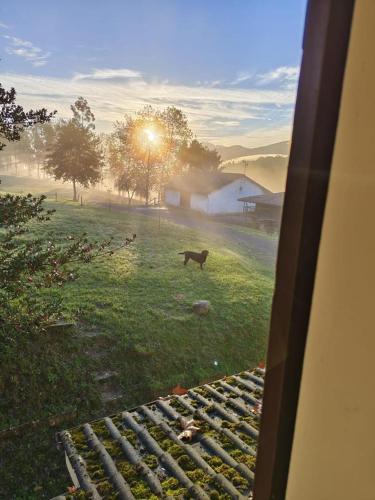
151	136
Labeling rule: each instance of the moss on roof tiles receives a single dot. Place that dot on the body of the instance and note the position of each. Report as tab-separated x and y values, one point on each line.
142	446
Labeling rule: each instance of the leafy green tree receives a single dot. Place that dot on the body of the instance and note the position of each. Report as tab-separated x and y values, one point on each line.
75	156
14	119
197	157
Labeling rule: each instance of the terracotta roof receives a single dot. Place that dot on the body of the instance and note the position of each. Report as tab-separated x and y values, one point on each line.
141	453
274	199
205	183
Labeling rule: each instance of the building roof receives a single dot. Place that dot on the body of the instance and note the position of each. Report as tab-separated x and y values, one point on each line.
274	199
198	445
207	182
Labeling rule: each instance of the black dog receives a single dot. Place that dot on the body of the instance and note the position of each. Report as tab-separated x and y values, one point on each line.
197	257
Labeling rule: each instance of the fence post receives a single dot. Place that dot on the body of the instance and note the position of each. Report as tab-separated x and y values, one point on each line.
109	199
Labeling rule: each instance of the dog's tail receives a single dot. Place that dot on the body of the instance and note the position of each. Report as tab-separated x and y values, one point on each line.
181	253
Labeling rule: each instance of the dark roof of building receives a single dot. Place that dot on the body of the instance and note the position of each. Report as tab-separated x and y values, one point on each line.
205	183
274	199
199	445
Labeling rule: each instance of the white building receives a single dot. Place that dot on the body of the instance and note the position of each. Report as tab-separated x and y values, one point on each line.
212	193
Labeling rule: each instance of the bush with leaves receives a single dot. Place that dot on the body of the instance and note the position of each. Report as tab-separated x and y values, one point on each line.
43	373
14	119
30	265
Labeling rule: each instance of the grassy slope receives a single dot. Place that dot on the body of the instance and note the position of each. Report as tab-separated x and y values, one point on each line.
141	298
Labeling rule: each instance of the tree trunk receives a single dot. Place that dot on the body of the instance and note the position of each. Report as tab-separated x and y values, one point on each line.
74	190
148	178
129	198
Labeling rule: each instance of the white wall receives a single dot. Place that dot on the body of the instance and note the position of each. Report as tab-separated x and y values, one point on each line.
172	197
333	454
199	202
225	200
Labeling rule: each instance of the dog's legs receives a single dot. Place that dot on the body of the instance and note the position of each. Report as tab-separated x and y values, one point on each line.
186	260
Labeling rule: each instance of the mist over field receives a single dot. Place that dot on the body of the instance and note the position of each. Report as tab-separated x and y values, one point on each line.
268	170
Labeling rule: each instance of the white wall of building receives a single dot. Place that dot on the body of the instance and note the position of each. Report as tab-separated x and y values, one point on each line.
172	197
199	202
225	200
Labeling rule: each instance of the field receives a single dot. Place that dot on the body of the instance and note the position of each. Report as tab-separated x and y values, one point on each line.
135	319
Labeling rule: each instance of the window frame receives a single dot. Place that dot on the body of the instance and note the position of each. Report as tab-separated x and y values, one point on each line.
325	46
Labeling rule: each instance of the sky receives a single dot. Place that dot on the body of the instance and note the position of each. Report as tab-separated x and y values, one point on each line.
231	65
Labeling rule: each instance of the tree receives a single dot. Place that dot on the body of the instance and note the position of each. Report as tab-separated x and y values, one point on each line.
41	139
13	118
82	114
177	130
177	133
142	140
149	143
75	156
14	154
125	166
198	157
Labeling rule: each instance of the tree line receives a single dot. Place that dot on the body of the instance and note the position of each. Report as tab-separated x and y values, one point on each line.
140	154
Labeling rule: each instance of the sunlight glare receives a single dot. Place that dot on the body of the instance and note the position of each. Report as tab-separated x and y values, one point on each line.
151	136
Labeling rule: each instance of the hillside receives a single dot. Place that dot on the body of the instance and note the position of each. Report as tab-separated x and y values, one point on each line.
232	152
268	170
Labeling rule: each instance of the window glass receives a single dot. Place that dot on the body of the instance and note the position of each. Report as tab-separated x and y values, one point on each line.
153	137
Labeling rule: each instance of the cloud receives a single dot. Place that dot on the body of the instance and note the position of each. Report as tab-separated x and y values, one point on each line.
286	76
27	50
108	74
228	123
3	25
223	114
243	76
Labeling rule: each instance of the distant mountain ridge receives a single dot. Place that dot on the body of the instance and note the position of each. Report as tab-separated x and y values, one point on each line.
232	152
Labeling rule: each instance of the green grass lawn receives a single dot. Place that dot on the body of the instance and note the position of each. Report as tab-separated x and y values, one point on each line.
142	297
140	300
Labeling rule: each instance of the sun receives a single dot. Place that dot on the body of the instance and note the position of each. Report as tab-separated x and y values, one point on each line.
151	136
